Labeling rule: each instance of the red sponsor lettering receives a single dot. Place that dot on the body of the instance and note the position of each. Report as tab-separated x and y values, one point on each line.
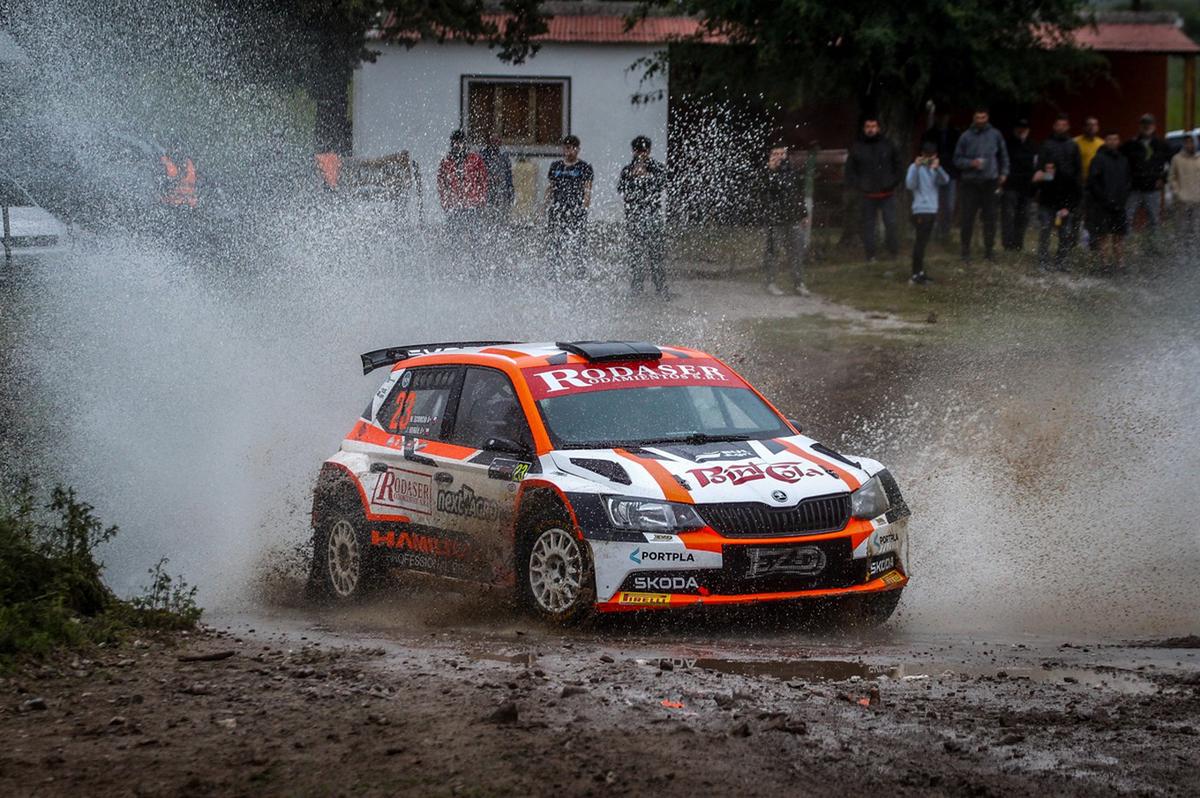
790	472
425	544
402	489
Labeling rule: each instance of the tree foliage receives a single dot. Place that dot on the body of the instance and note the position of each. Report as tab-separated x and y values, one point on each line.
888	55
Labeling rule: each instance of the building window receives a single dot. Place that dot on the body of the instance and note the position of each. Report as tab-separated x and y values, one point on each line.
528	114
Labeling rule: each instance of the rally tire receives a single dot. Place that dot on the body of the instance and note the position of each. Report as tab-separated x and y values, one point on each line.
875	609
556	580
345	568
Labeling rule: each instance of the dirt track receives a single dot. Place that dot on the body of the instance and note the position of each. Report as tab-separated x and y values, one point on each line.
466	700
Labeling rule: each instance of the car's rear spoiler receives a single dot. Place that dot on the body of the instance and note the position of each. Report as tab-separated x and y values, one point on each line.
394	354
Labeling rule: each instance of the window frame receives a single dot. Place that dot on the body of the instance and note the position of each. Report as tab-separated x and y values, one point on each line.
447	426
549	149
527	439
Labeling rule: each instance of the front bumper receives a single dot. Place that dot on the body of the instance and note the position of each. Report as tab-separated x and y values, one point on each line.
704	568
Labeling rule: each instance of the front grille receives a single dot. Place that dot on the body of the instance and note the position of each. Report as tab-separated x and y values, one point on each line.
754	519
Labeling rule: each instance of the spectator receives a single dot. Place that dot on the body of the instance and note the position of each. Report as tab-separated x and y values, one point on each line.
873	167
568	197
982	161
1148	156
1060	189
784	212
1184	180
499	180
1089	143
462	189
1018	189
945	137
1108	185
642	184
924	179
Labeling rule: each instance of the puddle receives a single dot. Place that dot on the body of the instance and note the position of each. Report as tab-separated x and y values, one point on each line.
830	670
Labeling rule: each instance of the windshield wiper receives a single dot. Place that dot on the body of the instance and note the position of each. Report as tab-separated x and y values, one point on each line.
696	438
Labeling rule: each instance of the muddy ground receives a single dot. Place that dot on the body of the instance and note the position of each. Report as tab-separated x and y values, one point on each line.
467	700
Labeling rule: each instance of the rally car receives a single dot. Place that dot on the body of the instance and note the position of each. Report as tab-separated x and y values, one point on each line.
600	476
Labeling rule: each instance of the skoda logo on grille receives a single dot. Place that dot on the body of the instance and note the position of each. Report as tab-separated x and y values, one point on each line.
778	495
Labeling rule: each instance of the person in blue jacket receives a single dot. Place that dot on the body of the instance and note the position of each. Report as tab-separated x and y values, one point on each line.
925	176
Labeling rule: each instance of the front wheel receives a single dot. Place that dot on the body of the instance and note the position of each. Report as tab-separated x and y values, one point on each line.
874	609
557	579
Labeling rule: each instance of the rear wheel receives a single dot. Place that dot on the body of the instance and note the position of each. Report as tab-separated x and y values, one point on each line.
556	577
344	567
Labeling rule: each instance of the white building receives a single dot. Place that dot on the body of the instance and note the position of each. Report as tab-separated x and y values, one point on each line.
583	80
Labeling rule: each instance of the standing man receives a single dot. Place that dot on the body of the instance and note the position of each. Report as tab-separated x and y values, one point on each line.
1060	189
499	180
1089	143
462	190
568	197
784	217
1018	189
1108	192
982	160
642	184
1148	155
873	167
925	176
945	136
1184	179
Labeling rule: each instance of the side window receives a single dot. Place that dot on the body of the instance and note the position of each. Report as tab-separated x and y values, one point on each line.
488	409
418	402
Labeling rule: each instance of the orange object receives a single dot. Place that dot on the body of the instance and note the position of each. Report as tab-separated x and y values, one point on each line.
330	165
181	191
669	704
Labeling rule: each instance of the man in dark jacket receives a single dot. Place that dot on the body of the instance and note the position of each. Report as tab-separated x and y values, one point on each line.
1108	184
982	159
874	169
945	136
1148	158
1018	190
642	184
1060	189
784	213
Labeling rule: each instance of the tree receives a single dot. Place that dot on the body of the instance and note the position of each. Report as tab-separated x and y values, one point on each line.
892	56
339	35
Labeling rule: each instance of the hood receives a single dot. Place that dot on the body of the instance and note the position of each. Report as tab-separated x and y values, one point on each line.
778	472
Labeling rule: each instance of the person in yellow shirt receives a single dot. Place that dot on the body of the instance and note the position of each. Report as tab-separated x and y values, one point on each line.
1089	143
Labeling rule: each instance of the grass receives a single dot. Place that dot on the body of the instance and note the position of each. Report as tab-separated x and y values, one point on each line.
52	594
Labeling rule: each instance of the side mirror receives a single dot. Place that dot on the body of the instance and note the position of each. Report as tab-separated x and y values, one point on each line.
795	424
507	446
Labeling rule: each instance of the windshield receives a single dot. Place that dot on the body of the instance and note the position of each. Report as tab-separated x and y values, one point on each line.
668	414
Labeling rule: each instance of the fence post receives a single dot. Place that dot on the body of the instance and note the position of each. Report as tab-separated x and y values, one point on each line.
7	236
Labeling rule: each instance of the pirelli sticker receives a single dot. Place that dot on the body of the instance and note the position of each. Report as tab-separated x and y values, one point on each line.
644	599
893	578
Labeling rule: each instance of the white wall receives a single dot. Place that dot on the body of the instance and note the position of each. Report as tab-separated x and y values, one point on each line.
409	100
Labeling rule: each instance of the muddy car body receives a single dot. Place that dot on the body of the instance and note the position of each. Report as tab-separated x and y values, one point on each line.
600	476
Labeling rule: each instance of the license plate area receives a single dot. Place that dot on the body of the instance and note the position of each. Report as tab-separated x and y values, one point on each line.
763	561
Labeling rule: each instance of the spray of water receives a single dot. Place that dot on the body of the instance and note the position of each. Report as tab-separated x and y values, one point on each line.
191	392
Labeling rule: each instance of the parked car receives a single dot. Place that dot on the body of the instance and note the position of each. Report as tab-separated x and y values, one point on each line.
26	228
601	477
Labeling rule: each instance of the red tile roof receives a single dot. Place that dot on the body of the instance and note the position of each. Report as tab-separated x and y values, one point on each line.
610	29
1136	38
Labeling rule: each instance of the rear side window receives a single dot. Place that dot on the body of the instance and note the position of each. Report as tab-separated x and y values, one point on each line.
418	403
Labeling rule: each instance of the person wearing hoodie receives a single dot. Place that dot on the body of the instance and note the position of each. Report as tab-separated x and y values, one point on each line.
925	179
982	160
1184	180
1148	155
1108	183
1059	182
874	169
1018	190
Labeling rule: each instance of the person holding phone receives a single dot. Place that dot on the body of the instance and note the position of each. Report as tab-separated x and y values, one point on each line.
784	213
1060	192
924	179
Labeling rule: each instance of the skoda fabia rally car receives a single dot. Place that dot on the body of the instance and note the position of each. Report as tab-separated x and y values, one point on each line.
600	477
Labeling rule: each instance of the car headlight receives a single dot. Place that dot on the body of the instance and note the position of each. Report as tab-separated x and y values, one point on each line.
649	515
870	500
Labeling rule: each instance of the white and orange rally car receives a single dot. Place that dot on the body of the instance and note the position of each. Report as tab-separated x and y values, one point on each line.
600	476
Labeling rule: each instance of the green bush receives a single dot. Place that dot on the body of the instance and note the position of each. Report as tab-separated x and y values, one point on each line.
51	590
